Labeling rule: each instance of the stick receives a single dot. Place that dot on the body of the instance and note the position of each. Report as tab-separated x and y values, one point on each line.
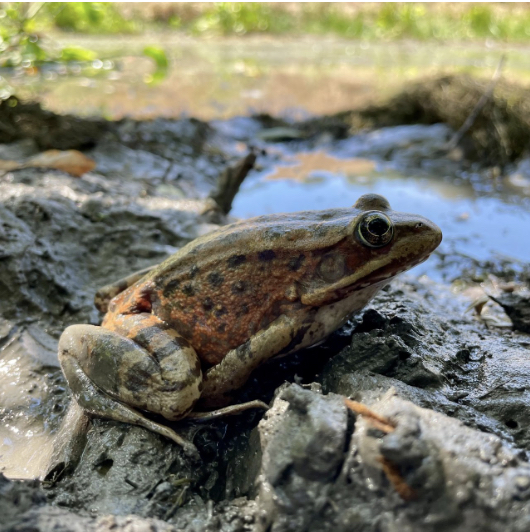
231	180
379	422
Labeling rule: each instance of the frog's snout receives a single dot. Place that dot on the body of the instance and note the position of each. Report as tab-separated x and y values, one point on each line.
435	233
416	238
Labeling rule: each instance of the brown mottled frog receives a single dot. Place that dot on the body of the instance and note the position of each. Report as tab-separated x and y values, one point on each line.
191	330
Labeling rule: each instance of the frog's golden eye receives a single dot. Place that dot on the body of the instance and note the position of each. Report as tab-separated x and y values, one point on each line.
375	229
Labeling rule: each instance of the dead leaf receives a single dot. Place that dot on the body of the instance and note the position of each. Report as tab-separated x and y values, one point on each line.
306	163
8	165
71	161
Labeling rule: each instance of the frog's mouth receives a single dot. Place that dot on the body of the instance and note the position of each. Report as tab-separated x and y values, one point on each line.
369	275
382	275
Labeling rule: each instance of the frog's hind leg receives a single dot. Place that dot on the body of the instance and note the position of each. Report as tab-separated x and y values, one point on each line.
112	376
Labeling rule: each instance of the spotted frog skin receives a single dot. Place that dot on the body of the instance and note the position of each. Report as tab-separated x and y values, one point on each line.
190	331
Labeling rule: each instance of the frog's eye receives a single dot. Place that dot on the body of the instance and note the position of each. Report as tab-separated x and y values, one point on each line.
375	229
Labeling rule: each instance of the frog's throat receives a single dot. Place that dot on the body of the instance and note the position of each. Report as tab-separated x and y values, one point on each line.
368	271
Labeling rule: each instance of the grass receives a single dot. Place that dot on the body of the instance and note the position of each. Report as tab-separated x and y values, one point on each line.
504	22
388	21
369	21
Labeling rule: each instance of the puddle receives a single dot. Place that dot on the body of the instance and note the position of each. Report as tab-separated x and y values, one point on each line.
29	376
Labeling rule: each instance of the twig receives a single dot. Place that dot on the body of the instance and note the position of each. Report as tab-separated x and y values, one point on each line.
395	478
390	469
379	422
177	504
470	120
231	180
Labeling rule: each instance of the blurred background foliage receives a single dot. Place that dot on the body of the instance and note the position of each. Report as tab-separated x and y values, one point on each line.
509	22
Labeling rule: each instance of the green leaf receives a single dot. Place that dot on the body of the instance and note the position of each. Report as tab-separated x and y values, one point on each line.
158	55
76	53
33	51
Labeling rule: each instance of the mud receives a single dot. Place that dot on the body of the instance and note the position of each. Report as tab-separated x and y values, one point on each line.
496	136
455	388
27	120
430	473
62	238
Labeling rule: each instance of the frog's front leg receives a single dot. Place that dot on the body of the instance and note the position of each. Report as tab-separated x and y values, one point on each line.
140	365
282	336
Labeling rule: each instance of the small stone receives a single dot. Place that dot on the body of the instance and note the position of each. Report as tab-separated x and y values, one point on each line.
522	482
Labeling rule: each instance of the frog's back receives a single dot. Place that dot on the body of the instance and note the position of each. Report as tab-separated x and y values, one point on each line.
295	231
223	287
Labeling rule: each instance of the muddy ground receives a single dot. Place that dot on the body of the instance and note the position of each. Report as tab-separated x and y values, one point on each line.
453	383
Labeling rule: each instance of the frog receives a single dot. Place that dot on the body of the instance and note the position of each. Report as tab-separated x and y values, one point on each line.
179	339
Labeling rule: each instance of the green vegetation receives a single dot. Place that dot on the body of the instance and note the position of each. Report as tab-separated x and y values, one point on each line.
239	18
25	48
506	22
369	21
87	17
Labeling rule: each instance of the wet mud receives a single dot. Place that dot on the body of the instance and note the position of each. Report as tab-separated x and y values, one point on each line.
452	385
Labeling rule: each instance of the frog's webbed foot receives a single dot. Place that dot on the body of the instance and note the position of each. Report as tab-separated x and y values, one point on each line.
69	443
71	439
